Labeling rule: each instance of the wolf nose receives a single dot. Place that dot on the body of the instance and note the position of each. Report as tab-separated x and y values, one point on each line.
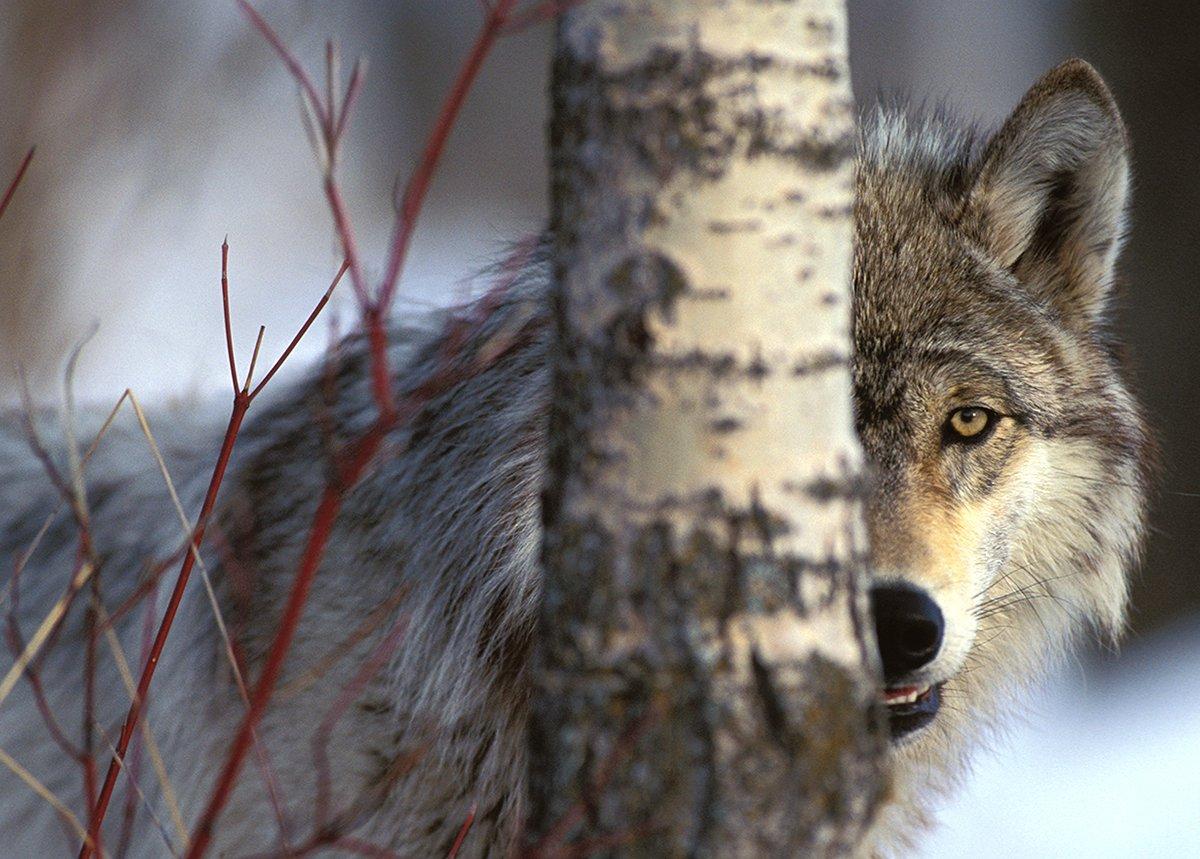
909	628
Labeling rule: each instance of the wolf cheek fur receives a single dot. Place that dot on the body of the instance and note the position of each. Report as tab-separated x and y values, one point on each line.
982	279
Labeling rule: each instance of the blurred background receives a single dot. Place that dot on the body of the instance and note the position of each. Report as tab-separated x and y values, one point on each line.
164	125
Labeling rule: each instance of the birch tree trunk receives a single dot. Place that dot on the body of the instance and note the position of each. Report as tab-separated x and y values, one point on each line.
703	685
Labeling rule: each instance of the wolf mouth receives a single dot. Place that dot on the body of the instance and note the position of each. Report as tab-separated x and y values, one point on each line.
911	708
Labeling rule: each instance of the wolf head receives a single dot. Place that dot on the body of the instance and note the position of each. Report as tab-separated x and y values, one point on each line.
1009	457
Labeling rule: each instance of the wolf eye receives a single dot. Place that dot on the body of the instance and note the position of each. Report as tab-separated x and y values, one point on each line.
970	423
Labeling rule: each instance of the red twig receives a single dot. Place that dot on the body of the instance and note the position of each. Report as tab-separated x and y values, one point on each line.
225	311
352	90
293	65
16	180
418	184
462	833
381	376
135	751
312	317
239	580
341	221
322	526
242	400
241	403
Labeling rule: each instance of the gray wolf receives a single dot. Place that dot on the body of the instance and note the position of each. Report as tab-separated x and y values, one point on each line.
1009	470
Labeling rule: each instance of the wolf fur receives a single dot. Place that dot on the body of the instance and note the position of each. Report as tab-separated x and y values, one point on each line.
983	276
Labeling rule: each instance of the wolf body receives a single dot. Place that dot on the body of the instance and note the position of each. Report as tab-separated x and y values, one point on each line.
1009	465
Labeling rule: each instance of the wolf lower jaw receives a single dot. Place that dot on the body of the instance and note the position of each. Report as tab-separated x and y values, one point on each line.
911	709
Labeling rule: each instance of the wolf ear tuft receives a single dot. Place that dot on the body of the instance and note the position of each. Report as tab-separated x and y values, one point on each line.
1049	199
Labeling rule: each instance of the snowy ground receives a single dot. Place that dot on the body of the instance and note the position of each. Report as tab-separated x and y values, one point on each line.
1108	765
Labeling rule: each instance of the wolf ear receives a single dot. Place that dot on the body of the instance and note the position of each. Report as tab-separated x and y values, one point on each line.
1049	199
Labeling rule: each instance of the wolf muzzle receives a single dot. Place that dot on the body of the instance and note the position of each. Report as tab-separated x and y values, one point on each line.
909	629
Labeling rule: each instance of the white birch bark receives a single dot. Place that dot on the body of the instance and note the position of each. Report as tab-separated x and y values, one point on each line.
703	686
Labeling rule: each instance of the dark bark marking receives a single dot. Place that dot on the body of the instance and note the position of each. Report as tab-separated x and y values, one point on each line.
820	363
774	712
721	228
666	108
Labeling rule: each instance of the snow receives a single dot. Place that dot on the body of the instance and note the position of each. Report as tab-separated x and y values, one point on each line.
1107	764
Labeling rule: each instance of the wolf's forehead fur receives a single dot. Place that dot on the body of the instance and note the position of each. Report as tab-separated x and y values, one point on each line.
931	149
915	270
932	309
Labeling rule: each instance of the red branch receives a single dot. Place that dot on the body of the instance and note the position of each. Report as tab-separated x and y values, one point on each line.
225	311
462	833
375	312
242	399
135	753
241	402
16	180
331	123
322	526
312	317
418	184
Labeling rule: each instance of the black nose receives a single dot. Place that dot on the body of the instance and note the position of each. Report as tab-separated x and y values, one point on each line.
909	628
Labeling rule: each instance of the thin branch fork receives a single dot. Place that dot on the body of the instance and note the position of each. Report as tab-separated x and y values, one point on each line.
349	471
327	124
331	124
243	397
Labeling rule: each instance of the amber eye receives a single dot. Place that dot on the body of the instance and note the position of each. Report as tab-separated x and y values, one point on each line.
970	423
